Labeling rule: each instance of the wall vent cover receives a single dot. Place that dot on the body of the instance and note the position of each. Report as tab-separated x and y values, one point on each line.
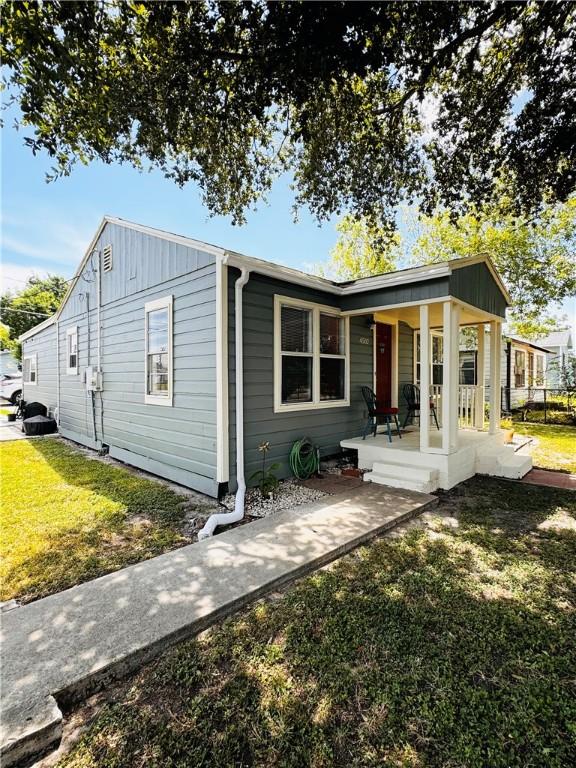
107	259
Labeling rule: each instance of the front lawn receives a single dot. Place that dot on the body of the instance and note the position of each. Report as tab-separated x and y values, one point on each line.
556	447
452	646
67	518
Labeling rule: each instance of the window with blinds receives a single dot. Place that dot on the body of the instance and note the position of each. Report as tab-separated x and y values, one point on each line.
312	358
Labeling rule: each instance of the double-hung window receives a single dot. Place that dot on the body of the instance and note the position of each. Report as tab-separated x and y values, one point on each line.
540	371
30	370
436	357
72	351
519	368
311	356
468	367
158	351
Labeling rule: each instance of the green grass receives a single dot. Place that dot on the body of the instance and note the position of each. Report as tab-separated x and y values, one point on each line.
66	518
556	447
449	647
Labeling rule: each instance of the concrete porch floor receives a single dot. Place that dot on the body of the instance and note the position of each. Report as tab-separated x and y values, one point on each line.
401	464
410	440
68	645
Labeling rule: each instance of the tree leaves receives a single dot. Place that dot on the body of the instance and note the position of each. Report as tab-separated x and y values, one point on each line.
227	95
23	310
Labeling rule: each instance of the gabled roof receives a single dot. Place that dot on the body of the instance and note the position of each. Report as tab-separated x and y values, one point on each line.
296	276
527	343
557	339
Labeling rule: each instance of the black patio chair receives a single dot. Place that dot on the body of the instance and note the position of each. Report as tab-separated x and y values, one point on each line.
378	412
412	396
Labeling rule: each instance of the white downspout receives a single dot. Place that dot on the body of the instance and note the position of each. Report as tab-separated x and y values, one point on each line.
57	373
227	518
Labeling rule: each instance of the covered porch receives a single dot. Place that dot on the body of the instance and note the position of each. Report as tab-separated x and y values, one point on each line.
468	440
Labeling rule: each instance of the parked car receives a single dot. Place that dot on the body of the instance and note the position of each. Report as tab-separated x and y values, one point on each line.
11	387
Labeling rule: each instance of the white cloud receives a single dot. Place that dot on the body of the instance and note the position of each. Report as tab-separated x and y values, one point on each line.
13	277
57	242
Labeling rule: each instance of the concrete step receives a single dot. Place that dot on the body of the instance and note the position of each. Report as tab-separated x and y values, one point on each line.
514	466
487	462
423	479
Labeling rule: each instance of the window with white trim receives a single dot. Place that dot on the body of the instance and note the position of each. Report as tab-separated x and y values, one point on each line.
436	357
30	370
540	370
72	351
468	374
158	351
519	368
311	356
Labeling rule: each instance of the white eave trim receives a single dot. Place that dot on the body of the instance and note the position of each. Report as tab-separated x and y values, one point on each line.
280	272
37	328
402	277
287	274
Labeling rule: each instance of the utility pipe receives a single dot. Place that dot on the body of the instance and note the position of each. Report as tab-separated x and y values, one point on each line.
98	313
227	518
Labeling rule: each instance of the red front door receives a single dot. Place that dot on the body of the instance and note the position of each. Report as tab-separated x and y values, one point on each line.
384	364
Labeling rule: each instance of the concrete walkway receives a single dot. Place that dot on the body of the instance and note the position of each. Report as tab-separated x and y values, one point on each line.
67	645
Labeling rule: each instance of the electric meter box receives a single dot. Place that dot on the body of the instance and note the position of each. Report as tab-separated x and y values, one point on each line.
93	379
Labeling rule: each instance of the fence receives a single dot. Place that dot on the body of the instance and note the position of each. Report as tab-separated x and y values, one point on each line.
539	404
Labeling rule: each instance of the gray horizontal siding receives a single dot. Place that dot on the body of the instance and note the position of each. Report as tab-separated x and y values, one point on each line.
43	345
325	427
177	442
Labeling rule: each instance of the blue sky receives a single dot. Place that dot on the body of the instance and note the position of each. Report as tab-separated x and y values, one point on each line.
47	227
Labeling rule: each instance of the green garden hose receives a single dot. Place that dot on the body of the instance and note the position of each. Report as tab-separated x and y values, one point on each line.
304	459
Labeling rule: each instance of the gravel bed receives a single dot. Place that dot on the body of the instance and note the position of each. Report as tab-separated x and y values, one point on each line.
288	494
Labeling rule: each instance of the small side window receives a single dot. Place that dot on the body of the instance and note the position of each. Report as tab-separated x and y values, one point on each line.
29	370
72	351
158	342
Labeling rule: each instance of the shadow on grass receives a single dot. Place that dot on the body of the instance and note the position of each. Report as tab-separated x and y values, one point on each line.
453	647
126	519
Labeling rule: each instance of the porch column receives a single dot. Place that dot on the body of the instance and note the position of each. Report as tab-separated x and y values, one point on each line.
479	416
450	371
424	378
495	396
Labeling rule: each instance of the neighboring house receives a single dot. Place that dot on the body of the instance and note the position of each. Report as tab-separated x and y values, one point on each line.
561	348
9	366
523	368
142	358
10	377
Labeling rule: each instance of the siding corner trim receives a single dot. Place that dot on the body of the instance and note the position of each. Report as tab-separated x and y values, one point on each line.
222	426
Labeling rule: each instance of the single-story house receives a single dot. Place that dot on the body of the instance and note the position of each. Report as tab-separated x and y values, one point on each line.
561	349
171	353
523	368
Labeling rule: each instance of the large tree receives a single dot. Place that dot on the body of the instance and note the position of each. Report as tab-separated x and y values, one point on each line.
22	310
230	94
362	249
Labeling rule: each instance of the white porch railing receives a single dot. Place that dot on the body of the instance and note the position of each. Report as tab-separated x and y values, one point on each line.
436	399
468	395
